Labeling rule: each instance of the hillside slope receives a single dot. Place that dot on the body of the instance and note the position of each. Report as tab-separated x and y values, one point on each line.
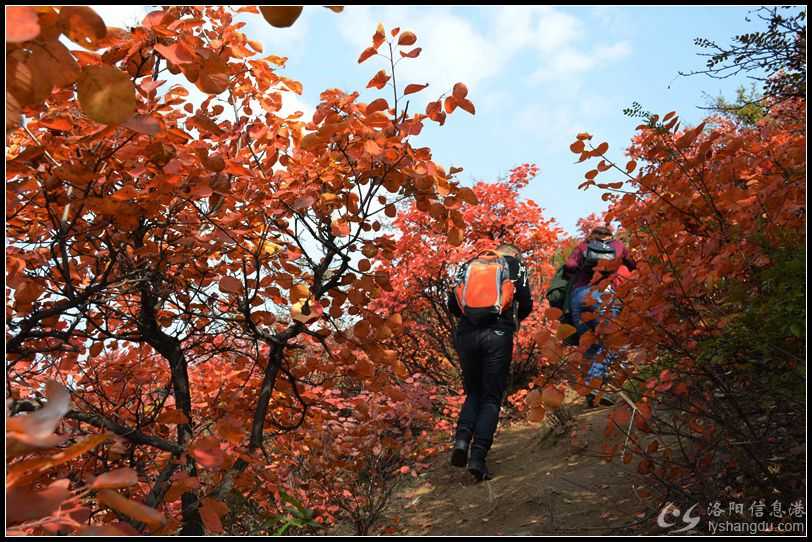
544	482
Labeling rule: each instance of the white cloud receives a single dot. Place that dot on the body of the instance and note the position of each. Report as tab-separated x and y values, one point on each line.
549	124
122	16
453	49
568	63
456	50
279	41
292	103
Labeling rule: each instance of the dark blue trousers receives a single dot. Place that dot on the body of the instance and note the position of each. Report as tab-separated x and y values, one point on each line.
485	355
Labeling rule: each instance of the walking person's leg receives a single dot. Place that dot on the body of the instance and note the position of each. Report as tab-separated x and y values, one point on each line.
497	350
587	299
466	346
603	359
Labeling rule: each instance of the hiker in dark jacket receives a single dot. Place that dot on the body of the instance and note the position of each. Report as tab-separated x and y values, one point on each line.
485	349
585	297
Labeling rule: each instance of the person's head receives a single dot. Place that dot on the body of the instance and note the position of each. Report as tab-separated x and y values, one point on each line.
506	249
600	233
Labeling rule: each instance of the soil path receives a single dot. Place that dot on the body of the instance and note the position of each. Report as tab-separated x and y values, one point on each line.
544	482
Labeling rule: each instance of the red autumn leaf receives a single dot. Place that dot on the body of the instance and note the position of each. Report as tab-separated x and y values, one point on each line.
466	105
377	105
379	81
211	512
372	148
106	94
407	38
172	416
601	149
230	285
24	504
414	53
413	87
144	124
115	479
130	508
460	91
280	16
22	24
379	37
368	52
82	25
176	53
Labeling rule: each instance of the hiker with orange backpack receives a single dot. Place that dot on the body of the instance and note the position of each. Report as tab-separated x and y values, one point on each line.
586	297
491	296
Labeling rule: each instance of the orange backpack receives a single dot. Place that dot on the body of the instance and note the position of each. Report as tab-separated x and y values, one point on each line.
485	289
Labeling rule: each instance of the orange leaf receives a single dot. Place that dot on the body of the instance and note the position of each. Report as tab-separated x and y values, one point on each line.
535	415
460	91
379	81
379	36
368	52
22	24
466	105
450	104
82	25
30	468
295	86
276	60
115	479
210	512
208	456
106	94
372	148
172	416
230	285
377	105
340	228
577	147
130	508
552	397
565	330
213	76
22	504
177	53
41	423
455	236
299	292
412	88
554	313
601	149
412	54
281	16
143	124
407	38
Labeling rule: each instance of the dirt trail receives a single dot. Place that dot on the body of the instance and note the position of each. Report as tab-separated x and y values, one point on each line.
540	486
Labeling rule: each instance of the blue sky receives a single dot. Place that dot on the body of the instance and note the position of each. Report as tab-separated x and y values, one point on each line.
537	75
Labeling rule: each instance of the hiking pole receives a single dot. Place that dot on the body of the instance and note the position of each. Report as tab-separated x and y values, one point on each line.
631	420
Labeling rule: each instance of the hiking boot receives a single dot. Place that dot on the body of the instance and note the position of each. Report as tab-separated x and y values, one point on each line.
590	400
478	469
606	401
459	456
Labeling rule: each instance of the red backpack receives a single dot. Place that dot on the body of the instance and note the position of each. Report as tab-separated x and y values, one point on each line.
485	289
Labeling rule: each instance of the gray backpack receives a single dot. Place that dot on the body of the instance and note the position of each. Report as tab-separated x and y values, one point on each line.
597	251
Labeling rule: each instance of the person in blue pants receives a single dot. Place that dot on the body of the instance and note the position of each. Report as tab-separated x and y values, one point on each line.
586	297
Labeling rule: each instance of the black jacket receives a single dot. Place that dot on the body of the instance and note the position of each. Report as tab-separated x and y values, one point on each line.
518	274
